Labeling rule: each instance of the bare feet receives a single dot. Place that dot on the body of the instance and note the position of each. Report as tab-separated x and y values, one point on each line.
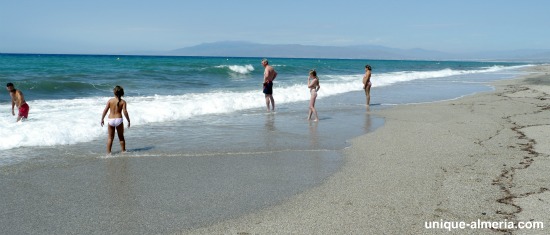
309	119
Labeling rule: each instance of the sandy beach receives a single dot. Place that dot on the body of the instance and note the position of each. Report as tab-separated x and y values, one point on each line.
478	158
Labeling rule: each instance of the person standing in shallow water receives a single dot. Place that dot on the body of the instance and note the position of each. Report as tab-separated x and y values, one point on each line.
116	106
313	85
269	76
366	82
18	99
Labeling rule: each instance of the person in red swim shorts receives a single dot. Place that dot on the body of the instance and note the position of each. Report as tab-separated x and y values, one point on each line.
17	99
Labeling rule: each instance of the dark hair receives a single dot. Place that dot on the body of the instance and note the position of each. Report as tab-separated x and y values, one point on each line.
368	67
119	92
313	72
9	84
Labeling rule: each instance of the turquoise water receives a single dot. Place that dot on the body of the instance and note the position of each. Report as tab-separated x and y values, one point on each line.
71	76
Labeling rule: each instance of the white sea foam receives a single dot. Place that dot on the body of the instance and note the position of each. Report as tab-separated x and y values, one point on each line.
385	79
63	122
240	69
52	122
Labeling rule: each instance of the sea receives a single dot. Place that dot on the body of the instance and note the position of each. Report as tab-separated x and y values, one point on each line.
209	114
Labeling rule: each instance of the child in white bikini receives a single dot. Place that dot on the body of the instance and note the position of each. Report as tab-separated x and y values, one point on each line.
117	106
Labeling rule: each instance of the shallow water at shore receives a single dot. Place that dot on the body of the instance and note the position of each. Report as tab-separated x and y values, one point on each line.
180	175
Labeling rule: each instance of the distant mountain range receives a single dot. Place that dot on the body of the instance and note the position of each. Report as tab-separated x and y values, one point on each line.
249	49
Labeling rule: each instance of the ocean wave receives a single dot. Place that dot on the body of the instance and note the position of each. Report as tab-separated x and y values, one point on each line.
52	122
71	121
386	79
239	69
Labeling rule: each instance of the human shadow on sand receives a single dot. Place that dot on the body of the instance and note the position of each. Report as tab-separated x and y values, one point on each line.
142	149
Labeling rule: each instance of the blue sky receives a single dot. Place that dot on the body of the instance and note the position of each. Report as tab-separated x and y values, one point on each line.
105	27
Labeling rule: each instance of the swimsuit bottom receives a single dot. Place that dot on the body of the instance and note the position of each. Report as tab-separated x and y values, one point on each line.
114	122
268	88
24	110
313	91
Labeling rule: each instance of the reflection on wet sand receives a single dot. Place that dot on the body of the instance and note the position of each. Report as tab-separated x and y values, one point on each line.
270	132
313	135
368	121
121	193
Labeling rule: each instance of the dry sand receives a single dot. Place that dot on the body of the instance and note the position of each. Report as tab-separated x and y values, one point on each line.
480	157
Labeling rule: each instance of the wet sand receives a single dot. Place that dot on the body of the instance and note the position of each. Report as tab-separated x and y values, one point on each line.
159	189
152	195
479	157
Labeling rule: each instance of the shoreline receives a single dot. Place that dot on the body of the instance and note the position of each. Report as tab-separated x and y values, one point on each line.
474	158
75	189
